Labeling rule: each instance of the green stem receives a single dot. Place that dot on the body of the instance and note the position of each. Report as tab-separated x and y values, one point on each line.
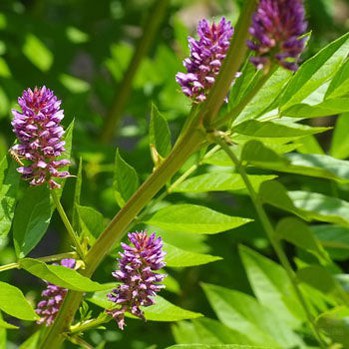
187	145
89	324
72	234
52	258
232	63
271	234
156	15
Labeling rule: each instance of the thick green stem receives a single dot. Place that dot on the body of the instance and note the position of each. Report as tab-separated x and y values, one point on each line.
72	234
232	63
271	234
156	15
188	144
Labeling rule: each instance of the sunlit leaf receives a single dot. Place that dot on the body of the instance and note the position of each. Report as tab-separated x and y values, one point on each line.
194	219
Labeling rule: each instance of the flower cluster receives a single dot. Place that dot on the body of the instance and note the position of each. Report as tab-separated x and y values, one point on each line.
135	271
53	297
276	30
206	57
39	133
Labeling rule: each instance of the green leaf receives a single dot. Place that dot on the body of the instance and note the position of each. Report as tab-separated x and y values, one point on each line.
318	277
32	218
335	239
257	153
91	221
37	52
194	219
4	324
272	286
325	108
314	165
321	207
244	314
13	302
159	133
268	129
176	257
208	331
73	84
339	85
275	194
32	341
315	72
3	334
219	181
266	96
125	180
298	233
162	310
317	165
340	141
9	180
60	276
335	323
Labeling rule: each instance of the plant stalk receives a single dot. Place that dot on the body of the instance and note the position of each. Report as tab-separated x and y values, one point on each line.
72	234
188	144
231	65
271	235
155	17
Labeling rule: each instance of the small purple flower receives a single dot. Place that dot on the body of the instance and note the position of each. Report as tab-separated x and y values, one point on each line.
39	133
53	297
139	283
206	57
276	29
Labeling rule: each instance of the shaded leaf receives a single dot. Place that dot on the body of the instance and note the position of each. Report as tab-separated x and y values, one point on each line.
125	180
159	133
275	194
9	180
91	221
335	324
32	218
298	233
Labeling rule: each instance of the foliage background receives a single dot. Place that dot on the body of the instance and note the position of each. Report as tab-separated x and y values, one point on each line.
80	49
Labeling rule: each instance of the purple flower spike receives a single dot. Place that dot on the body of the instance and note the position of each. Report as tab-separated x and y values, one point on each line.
39	133
139	283
53	297
206	57
276	29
